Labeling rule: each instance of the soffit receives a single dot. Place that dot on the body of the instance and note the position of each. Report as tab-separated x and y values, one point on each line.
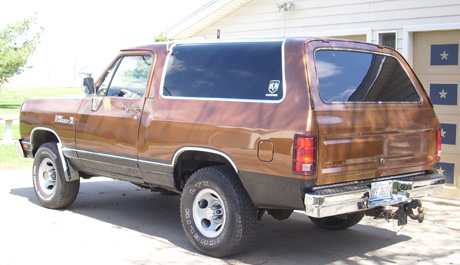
203	17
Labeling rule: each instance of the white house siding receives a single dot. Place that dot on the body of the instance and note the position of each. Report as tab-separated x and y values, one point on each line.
261	18
418	25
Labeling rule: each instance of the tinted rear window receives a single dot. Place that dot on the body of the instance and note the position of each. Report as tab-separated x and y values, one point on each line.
239	71
351	76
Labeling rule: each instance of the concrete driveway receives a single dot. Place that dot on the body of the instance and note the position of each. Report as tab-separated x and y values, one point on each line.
114	222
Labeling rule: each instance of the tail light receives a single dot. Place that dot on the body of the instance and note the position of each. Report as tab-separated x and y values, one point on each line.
438	144
304	155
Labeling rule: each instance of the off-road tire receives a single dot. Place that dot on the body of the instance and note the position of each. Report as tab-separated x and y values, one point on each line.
338	223
50	186
217	190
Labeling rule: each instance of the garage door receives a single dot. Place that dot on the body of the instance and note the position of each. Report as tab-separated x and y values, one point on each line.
436	62
352	37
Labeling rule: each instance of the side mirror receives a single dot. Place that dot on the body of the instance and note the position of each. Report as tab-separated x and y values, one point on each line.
88	85
88	82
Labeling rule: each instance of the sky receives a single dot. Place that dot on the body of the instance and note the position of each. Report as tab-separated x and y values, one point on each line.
88	33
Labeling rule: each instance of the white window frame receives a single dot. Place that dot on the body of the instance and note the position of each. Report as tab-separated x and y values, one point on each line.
388	31
408	36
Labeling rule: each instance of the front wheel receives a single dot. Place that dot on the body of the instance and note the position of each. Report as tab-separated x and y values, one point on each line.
217	214
50	186
338	222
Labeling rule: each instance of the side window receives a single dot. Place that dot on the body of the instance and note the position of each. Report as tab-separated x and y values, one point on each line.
105	82
127	77
235	71
349	76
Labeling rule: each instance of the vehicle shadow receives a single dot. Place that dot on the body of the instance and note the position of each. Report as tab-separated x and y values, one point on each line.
296	240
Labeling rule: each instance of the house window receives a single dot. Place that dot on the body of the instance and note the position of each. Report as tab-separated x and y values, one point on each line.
388	39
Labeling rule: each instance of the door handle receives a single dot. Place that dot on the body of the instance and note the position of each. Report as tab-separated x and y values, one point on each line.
133	109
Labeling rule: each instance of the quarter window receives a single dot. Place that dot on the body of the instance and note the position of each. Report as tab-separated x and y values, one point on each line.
240	71
351	76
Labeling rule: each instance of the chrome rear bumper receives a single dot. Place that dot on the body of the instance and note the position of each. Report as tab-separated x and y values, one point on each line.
352	197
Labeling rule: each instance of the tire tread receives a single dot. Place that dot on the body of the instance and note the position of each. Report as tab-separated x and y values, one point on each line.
246	222
64	196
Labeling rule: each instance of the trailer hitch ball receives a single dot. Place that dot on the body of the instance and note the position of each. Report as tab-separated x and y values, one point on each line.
414	204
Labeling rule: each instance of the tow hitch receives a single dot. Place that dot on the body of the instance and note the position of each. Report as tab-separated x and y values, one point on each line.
404	210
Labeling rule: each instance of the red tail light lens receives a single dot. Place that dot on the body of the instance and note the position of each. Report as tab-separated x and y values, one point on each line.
304	155
438	144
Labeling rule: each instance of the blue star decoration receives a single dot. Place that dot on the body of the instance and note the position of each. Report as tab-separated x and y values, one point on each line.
444	54
448	133
444	94
446	169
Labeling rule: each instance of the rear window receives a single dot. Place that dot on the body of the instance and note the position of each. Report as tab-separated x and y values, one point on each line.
352	76
232	71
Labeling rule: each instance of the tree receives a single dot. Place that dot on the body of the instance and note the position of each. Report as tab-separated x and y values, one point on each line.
161	38
18	41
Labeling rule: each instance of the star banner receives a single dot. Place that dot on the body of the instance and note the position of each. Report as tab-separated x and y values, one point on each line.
447	169
444	54
444	94
448	133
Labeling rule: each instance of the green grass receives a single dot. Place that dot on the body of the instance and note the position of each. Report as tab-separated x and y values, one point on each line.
11	100
9	158
15	130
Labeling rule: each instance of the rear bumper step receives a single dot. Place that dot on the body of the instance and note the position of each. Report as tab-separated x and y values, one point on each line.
334	200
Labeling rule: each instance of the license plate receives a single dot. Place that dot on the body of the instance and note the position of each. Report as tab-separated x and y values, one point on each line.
380	190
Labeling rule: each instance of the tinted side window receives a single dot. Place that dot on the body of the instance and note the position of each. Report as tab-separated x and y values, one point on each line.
247	71
349	76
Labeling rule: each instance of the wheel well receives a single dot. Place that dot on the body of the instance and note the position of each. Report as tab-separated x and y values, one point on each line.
40	137
191	161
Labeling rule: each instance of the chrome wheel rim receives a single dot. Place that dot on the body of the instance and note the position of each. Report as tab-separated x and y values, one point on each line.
209	213
47	176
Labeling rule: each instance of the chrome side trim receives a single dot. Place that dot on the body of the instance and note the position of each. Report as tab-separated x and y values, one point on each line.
102	154
156	163
355	197
173	162
206	150
118	157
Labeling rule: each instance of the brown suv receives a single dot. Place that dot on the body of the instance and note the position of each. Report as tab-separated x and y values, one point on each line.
339	129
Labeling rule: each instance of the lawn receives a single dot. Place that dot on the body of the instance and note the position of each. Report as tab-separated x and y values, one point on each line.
11	100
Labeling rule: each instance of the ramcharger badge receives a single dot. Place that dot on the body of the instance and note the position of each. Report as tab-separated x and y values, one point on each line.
60	119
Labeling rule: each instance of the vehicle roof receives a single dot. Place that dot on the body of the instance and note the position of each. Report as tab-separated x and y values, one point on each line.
154	46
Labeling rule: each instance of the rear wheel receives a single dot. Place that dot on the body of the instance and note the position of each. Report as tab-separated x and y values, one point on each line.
338	222
50	186
217	214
